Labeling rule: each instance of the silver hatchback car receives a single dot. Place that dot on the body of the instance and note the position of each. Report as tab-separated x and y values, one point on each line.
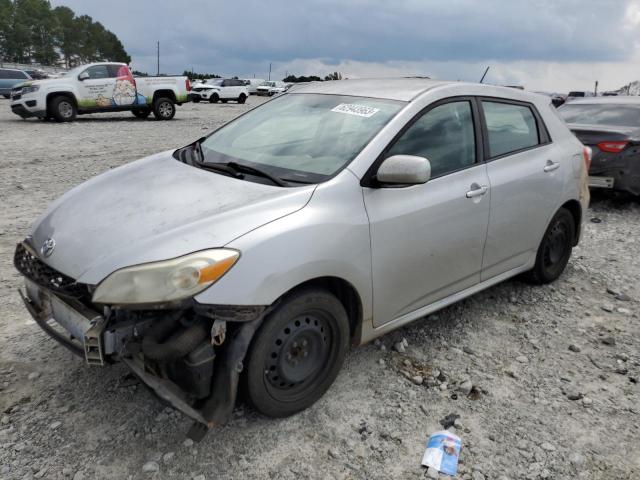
325	217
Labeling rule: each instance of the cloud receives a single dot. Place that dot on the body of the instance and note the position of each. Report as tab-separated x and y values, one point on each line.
449	39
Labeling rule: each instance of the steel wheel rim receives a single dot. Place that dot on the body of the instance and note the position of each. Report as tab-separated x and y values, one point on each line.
65	109
299	355
556	245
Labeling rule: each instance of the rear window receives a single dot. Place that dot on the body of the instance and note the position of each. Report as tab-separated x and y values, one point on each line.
612	114
17	74
510	127
576	94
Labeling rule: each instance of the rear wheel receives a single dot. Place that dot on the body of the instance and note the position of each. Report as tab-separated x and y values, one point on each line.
224	100
62	109
214	98
164	108
141	112
554	250
242	98
297	353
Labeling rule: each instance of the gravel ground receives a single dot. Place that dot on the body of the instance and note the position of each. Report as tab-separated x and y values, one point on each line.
544	379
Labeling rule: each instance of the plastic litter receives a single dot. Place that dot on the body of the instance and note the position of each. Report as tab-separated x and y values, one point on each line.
443	450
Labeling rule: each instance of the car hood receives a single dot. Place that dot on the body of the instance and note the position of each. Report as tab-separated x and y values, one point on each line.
154	209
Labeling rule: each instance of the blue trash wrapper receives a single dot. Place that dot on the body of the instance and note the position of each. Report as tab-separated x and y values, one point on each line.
443	450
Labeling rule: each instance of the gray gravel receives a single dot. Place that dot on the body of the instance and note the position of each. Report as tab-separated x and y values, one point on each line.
543	379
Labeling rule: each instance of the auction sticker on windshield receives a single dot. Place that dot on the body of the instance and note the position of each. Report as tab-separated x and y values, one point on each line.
353	109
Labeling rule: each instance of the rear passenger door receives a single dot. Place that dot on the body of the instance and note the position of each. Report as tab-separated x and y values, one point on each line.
526	175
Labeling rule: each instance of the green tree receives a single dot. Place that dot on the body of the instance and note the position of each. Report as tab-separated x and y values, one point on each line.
68	36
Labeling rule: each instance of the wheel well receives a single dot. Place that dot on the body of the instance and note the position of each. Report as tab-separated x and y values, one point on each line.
53	95
345	292
164	93
575	209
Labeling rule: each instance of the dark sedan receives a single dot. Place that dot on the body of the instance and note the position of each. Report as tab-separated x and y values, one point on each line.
611	127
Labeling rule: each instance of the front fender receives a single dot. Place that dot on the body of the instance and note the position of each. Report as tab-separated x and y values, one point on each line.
329	237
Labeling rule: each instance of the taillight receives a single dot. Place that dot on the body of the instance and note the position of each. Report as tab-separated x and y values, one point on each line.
586	155
612	147
187	84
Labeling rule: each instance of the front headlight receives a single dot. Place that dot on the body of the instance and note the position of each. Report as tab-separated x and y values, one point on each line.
30	89
165	281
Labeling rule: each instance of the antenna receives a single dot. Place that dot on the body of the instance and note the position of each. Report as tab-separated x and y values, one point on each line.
485	74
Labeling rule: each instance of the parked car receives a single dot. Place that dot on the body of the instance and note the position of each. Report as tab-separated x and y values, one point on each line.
37	74
253	84
99	87
579	94
610	126
202	89
10	77
221	90
271	88
326	217
557	99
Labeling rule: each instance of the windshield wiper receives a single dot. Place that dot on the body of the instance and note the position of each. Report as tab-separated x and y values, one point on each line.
238	167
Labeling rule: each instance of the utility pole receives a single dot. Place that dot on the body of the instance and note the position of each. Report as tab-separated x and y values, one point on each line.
158	52
269	70
595	91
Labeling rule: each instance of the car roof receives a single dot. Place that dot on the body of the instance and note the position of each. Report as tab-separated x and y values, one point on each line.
404	89
612	100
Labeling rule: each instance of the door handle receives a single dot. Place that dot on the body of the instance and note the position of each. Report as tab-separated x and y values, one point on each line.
477	191
551	166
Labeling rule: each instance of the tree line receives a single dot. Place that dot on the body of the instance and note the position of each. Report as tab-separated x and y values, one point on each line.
312	78
31	31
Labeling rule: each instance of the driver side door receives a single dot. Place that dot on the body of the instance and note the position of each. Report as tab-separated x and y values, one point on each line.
96	90
427	240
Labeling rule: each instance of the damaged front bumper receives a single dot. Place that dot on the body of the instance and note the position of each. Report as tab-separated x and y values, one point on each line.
190	357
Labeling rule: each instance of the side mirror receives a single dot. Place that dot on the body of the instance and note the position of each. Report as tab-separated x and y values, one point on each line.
83	76
404	170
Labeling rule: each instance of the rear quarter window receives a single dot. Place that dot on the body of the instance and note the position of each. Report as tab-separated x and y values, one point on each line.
510	127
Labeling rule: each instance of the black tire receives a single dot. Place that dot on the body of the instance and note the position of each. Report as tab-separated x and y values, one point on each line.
164	108
554	250
242	98
195	99
214	98
297	353
224	100
141	112
62	109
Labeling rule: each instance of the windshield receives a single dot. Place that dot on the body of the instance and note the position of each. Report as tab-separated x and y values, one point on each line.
301	137
601	114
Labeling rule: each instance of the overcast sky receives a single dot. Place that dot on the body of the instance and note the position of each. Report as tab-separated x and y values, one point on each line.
554	45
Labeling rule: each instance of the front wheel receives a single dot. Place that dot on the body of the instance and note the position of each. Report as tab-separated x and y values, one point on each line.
214	98
164	108
62	109
242	98
554	250
195	99
297	353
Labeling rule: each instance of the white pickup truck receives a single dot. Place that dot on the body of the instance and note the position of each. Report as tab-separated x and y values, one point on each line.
99	87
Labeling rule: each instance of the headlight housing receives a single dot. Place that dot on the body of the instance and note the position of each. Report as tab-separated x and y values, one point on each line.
167	280
30	89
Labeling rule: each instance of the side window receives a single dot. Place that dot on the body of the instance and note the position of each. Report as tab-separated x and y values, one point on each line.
510	127
226	83
98	71
444	135
4	74
23	74
118	70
